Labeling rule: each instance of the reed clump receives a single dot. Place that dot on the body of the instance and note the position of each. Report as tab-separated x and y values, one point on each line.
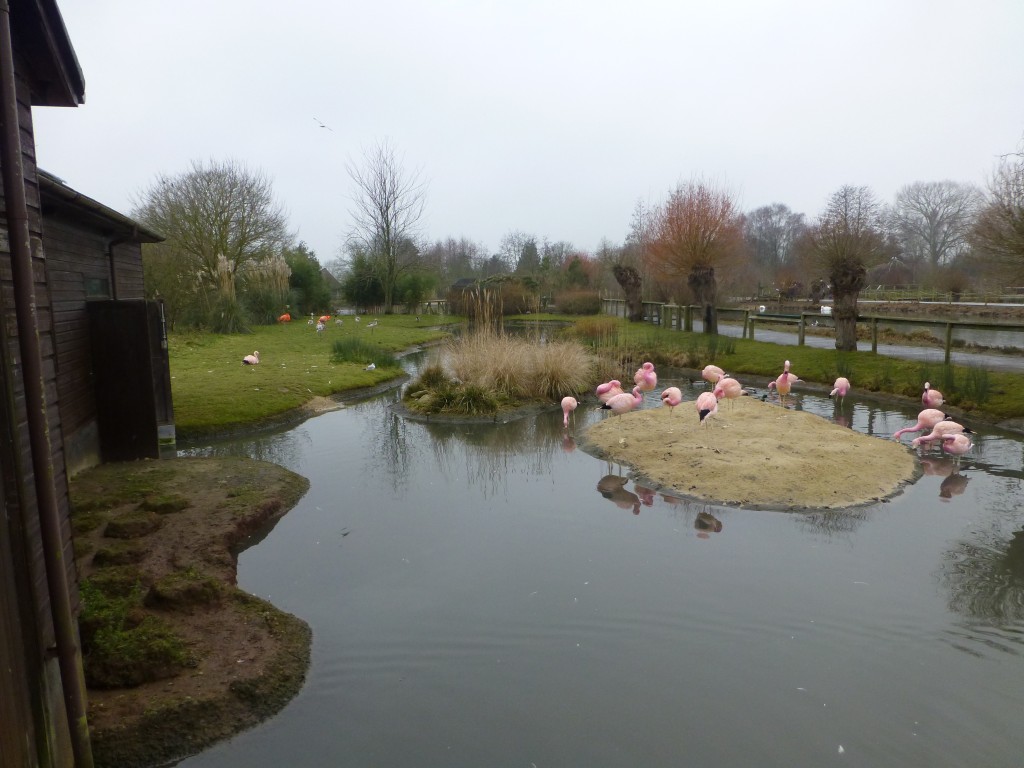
486	371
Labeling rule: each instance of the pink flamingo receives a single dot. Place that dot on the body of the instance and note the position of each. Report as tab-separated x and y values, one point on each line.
840	388
624	403
285	318
568	406
728	388
957	445
645	377
253	359
712	373
707	406
608	390
939	432
671	396
784	383
931	398
926	419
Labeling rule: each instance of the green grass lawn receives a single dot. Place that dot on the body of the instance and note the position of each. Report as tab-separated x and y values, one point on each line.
213	392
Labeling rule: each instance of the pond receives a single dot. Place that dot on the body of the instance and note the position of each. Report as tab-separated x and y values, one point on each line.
477	601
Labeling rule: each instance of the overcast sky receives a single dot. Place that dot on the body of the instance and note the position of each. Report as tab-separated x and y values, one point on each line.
551	118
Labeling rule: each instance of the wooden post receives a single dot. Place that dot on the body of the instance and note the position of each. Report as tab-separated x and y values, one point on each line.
949	341
874	334
688	318
801	329
746	322
753	320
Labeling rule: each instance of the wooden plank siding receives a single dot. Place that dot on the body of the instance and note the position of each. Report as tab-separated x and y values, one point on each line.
25	585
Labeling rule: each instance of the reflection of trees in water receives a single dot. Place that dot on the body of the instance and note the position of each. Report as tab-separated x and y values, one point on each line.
284	448
491	455
834	522
985	576
389	447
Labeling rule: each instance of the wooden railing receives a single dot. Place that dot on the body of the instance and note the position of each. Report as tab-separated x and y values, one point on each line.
680	317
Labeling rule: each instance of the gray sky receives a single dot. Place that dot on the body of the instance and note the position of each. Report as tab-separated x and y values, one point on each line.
553	118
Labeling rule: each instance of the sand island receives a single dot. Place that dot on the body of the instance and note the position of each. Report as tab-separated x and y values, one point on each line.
755	454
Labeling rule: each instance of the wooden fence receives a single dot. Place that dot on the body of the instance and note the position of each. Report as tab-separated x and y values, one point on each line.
680	317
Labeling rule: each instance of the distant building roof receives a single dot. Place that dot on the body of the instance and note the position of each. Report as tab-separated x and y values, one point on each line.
39	31
332	282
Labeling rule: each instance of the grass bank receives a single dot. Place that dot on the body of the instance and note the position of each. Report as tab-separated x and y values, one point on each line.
214	393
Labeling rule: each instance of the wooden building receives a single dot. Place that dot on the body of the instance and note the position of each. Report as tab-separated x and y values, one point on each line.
64	259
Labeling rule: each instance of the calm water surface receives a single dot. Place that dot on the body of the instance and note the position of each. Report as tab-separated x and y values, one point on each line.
475	601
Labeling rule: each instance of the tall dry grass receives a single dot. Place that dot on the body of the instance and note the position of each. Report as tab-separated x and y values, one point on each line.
518	368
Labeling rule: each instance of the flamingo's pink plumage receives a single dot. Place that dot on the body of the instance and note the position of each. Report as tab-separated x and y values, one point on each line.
625	402
568	406
645	377
671	396
608	390
926	419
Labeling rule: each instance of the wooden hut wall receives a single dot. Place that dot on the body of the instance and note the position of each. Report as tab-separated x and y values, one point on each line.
78	260
21	548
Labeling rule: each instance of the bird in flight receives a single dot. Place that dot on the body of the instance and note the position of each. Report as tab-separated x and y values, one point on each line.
323	125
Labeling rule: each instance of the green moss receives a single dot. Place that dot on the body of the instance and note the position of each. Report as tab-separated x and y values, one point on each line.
184	590
165	504
133	525
122	645
120	553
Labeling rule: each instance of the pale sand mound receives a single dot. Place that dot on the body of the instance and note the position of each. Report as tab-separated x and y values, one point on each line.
755	454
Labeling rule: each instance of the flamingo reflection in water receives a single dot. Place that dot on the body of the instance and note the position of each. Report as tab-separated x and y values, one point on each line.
953	483
706	524
612	488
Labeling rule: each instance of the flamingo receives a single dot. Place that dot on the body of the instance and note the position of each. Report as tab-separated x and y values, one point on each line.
568	406
671	396
957	445
939	432
645	377
712	373
608	390
926	419
784	383
253	359
324	319
707	406
931	398
841	387
285	318
728	387
624	403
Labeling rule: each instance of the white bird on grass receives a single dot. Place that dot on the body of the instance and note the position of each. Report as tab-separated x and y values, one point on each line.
253	359
370	367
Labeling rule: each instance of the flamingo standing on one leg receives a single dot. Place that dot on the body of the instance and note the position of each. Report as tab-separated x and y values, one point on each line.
645	377
711	374
608	390
707	407
253	359
931	398
926	419
624	403
728	388
840	388
671	396
568	406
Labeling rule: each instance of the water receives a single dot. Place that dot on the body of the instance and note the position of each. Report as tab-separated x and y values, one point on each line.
475	601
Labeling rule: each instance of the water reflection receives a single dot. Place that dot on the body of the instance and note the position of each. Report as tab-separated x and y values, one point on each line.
706	524
612	488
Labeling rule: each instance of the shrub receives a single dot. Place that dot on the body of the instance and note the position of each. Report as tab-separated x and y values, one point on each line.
579	302
354	350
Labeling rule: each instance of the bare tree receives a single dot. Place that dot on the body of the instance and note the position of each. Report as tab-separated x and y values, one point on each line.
388	205
770	232
933	219
220	220
999	231
696	230
847	239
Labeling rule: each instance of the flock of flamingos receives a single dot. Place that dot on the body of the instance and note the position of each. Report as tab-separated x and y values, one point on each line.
950	436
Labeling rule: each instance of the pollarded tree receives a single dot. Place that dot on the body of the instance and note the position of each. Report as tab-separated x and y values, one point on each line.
696	230
219	220
847	239
999	231
388	206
